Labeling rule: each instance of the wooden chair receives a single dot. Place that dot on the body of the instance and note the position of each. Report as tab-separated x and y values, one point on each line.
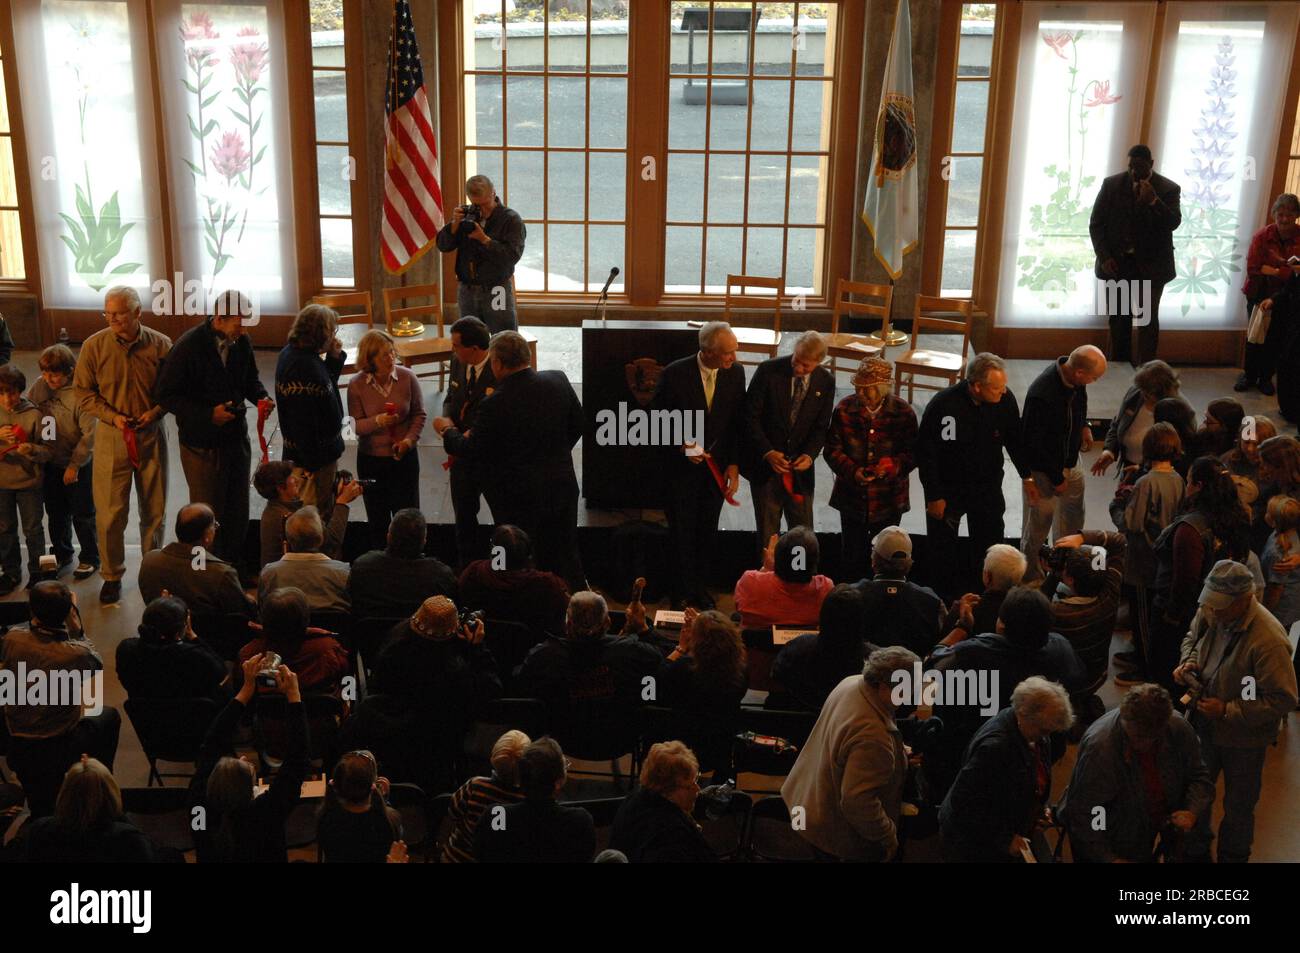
850	346
934	315
759	340
420	349
357	304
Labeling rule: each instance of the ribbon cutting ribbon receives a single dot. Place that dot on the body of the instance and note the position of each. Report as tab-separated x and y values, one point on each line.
20	436
720	480
787	480
132	447
263	413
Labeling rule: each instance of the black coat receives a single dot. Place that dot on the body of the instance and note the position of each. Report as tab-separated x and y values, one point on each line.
1119	223
767	420
461	404
192	381
681	389
650	829
537	832
521	441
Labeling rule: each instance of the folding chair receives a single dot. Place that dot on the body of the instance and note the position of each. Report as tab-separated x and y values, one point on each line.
934	315
414	347
171	729
751	339
850	345
772	838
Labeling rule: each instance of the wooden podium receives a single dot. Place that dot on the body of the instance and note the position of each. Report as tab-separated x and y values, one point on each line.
621	363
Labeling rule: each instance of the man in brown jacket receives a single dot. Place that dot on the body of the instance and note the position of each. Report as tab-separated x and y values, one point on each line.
845	791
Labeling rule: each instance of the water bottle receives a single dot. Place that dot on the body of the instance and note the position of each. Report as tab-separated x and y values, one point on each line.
63	336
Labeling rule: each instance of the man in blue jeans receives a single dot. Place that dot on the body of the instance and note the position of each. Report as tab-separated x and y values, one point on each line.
1238	654
488	240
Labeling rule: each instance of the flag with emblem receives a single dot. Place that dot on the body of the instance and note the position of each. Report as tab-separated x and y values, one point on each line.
891	212
412	197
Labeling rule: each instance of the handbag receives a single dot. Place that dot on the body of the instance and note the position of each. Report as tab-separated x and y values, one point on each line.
1257	328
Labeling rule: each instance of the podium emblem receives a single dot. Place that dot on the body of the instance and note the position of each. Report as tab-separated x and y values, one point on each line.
643	379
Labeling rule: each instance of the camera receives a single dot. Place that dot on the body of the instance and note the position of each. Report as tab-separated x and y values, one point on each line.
468	620
472	213
1055	557
345	476
266	674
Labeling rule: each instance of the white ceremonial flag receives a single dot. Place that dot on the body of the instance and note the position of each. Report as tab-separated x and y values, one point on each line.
892	208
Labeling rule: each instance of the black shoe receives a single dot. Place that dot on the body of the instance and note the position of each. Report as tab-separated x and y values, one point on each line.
1266	388
85	570
8	584
1243	384
111	591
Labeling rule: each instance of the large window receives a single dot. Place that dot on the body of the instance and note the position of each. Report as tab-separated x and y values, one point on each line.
11	238
335	165
965	167
546	114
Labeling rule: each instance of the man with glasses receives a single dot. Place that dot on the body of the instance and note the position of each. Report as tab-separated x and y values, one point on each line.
188	570
115	380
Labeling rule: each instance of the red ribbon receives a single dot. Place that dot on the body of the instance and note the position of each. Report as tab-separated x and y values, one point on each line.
886	467
720	480
20	436
132	447
391	408
787	480
263	412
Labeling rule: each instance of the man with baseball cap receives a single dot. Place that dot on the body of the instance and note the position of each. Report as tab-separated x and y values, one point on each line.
1236	663
896	611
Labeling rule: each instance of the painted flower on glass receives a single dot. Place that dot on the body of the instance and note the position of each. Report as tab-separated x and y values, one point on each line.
1058	42
199	27
229	156
1101	95
249	58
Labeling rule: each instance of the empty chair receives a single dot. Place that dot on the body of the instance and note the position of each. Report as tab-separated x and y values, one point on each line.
852	345
771	836
754	339
935	316
171	729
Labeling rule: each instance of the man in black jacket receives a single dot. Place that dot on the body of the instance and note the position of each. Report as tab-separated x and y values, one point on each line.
1056	431
521	444
708	387
471	381
395	581
787	411
206	381
1132	228
488	240
959	455
537	830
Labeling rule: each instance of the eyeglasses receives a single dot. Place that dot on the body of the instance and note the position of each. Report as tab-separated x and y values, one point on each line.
110	315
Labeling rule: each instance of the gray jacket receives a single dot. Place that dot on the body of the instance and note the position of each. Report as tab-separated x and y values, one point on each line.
1255	676
324	581
74	428
1107	775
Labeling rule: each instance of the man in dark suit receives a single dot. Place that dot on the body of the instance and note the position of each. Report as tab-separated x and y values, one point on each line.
708	386
188	570
521	447
471	381
1132	228
787	412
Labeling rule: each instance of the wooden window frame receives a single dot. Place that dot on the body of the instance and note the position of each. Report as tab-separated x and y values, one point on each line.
31	281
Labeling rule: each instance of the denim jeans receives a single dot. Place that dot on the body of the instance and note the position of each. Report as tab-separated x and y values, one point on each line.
493	308
1061	514
1243	775
69	507
21	507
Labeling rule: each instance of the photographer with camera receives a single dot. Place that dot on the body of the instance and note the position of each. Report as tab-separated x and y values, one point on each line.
488	239
1237	662
319	659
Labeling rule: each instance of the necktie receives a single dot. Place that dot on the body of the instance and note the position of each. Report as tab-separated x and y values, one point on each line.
708	388
796	401
473	377
223	350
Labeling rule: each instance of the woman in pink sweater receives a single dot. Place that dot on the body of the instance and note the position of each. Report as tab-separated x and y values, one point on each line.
788	589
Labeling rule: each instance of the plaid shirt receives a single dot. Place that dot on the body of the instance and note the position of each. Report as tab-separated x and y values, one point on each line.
856	439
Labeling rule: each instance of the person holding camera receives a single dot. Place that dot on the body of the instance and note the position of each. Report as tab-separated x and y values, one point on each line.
1236	661
488	239
278	482
208	381
319	659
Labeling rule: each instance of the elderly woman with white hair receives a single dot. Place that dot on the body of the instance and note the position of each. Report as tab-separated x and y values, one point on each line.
999	799
654	825
871	447
475	796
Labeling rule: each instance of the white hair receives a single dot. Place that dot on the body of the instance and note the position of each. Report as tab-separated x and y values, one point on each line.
810	345
1005	566
123	293
709	333
983	364
1044	704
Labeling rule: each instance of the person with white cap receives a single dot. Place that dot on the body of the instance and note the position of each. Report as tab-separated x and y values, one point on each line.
871	446
898	612
1236	663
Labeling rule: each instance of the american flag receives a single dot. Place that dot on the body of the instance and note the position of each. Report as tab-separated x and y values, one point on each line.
412	197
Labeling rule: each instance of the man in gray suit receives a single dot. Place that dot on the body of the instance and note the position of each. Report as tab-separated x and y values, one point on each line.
188	569
324	581
1132	228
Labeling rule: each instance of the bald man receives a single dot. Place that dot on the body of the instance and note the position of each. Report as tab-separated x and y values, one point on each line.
1055	432
189	570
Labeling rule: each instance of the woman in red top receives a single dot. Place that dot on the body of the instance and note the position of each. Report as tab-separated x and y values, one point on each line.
1267	271
788	589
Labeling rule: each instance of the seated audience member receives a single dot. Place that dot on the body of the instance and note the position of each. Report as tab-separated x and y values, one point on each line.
788	589
848	778
1004	569
394	581
167	660
1179	414
356	824
1141	763
895	610
704	681
478	794
1218	431
1084	584
808	667
654	825
1243	464
188	569
44	739
1282	589
591	681
433	663
323	581
1001	794
24	452
1023	645
278	483
242	828
318	659
88	825
509	586
538	829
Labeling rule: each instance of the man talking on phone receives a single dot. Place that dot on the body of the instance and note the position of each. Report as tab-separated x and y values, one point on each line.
1132	228
488	239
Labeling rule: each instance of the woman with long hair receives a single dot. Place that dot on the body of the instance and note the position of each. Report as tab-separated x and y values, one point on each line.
88	825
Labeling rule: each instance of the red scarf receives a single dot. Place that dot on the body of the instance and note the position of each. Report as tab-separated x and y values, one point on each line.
263	412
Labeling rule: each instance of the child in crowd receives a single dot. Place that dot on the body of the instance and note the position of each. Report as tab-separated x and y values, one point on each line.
67	482
356	824
23	452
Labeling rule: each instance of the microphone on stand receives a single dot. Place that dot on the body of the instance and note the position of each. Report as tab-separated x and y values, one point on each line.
604	293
